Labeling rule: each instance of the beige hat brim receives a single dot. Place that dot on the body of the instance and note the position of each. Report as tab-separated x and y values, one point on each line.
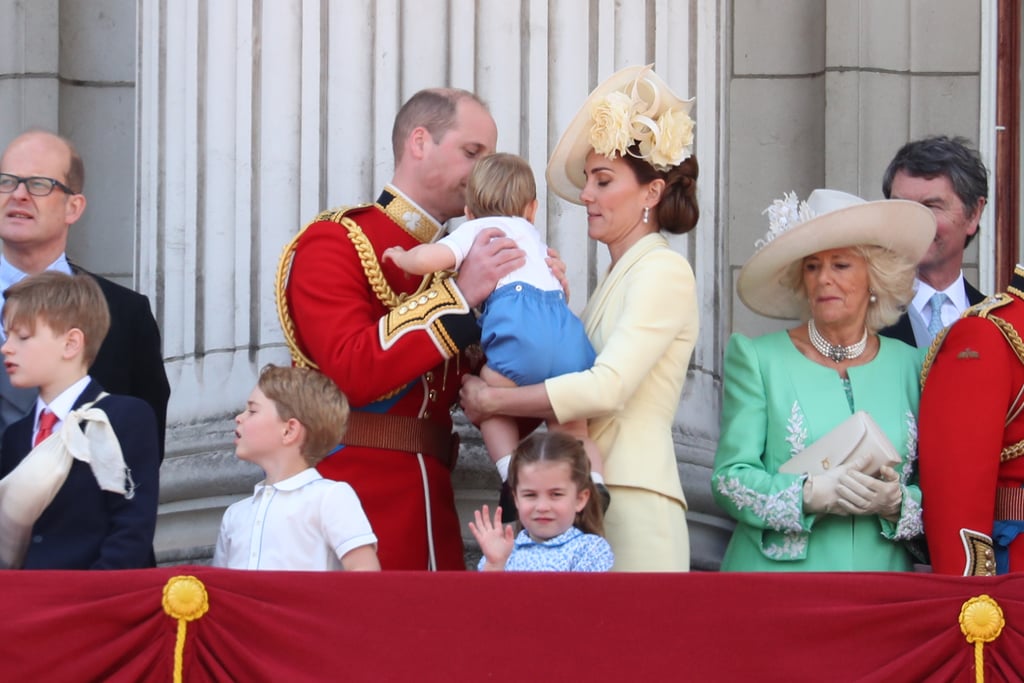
904	227
565	168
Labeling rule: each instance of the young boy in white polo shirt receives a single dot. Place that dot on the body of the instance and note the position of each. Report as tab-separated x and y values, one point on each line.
296	519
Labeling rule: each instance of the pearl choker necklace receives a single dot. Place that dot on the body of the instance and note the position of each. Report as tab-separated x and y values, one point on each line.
835	352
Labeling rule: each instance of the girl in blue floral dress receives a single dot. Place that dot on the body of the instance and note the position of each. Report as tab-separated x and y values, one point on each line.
559	512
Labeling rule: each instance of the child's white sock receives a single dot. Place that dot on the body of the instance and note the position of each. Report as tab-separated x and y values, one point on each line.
502	466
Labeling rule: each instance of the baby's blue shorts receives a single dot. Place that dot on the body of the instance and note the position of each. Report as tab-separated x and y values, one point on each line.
530	335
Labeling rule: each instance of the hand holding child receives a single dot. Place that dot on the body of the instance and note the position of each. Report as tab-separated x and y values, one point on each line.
496	541
470	398
557	266
492	256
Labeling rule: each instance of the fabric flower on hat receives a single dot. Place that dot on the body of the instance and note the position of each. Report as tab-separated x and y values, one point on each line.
670	143
610	134
622	119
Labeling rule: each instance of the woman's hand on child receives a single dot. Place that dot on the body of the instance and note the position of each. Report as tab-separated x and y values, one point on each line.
470	399
495	540
557	266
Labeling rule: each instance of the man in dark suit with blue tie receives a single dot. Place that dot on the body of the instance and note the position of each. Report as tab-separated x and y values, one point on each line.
948	176
41	184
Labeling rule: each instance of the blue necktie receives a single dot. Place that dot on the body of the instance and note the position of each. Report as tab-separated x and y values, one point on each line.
935	323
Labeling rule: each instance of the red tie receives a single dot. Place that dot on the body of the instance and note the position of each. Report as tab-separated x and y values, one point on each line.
46	421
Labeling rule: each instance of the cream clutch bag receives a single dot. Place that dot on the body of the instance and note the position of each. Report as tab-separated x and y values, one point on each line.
853	436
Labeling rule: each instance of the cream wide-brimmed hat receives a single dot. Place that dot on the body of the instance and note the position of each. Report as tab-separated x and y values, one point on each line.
633	106
829	219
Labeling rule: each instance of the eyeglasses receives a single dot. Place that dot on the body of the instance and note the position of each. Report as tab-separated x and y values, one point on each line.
37	186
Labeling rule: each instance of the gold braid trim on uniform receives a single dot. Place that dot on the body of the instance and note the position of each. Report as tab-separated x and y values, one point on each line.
1013	338
1018	272
1011	452
424	309
979	556
368	259
371	268
1017	344
933	350
445	339
982	310
378	283
413	219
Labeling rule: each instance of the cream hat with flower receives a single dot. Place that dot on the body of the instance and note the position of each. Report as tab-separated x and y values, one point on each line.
829	219
633	106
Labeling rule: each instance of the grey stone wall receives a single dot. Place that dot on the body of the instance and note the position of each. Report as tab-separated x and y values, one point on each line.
822	94
69	66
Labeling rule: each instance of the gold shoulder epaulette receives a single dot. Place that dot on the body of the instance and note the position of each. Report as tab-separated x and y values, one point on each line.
979	310
985	310
333	215
989	304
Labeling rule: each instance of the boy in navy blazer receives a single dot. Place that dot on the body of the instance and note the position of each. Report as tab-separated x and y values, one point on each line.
55	324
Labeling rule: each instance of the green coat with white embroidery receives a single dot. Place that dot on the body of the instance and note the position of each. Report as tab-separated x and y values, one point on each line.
776	403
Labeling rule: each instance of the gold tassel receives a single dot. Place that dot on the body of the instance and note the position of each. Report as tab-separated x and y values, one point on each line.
981	621
185	599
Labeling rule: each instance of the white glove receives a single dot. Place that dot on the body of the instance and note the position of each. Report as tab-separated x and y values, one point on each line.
862	494
820	491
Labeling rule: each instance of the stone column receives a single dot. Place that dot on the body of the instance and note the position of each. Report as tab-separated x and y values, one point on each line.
219	172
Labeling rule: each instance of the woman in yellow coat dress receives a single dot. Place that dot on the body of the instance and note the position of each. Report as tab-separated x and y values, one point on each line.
627	157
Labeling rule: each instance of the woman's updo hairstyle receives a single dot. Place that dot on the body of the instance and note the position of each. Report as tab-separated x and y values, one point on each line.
677	212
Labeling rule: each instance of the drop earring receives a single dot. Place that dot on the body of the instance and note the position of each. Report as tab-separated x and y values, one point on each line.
872	298
647	214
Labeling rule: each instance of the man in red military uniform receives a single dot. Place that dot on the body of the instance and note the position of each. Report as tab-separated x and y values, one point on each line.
972	439
392	342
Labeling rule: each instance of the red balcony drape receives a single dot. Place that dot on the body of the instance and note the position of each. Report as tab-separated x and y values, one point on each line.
282	626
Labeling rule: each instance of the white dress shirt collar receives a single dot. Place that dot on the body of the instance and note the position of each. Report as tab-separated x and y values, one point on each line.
63	404
957	293
292	483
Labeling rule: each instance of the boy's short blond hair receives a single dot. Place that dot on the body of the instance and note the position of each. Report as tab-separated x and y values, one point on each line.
62	302
311	398
500	185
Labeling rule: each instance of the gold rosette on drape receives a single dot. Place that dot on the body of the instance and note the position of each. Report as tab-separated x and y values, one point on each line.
185	599
981	621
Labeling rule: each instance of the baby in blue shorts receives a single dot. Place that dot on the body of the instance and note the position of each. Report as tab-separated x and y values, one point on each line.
527	330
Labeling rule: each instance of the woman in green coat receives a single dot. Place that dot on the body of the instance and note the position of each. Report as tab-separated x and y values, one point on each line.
845	267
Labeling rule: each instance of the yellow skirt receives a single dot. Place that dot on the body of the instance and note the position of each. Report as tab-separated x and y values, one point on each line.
647	531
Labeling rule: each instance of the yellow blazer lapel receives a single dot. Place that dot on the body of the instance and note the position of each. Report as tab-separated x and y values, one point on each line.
598	304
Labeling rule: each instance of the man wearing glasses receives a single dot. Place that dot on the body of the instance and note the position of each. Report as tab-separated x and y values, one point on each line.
41	183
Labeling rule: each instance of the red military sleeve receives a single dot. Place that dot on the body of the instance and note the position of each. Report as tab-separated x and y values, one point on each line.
963	409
